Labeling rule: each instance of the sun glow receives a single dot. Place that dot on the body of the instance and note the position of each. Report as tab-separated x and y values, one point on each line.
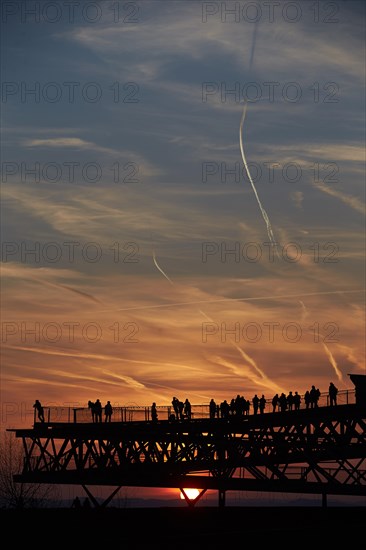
191	493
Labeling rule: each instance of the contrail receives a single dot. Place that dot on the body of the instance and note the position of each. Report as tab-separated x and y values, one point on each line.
254	40
327	350
84	294
250	360
333	362
263	378
221	300
66	287
304	313
204	314
161	271
353	202
263	212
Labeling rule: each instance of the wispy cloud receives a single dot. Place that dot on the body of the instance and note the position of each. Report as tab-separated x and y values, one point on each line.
353	202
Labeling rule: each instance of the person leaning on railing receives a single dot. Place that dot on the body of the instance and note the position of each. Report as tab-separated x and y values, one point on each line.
38	407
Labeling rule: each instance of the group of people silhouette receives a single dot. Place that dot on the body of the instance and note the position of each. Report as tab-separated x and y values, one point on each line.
238	406
182	409
97	410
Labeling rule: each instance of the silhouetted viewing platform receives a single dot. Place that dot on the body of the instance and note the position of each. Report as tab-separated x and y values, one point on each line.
83	415
317	450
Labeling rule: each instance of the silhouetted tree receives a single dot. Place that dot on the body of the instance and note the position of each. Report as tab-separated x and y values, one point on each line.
18	495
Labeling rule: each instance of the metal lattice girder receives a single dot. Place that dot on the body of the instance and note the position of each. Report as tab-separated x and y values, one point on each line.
317	448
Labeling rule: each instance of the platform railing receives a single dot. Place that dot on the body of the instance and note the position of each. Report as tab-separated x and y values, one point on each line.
165	412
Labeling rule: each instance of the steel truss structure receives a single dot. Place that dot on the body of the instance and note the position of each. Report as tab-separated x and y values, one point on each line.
319	451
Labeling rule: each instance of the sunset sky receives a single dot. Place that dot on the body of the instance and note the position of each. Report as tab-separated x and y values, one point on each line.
122	171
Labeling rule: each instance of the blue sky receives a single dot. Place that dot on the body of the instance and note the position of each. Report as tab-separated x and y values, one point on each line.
164	122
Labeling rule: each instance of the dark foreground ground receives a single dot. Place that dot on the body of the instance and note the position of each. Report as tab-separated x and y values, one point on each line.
287	528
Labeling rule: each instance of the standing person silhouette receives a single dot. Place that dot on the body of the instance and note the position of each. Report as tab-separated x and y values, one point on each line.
314	397
332	394
91	406
154	412
297	401
212	407
187	409
40	412
98	411
307	399
262	404
108	411
180	409
290	401
175	403
255	403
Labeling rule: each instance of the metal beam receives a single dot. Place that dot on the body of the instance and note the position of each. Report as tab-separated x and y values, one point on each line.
319	451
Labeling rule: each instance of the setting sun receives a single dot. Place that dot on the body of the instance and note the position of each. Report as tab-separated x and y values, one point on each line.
191	493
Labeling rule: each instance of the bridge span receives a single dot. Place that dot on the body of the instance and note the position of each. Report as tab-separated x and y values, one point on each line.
320	451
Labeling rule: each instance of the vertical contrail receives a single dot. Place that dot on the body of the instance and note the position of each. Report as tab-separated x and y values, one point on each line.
161	271
263	212
254	40
333	362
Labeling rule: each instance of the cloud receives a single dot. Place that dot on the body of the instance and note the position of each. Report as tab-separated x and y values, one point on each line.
142	171
297	198
352	202
73	142
172	24
327	151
